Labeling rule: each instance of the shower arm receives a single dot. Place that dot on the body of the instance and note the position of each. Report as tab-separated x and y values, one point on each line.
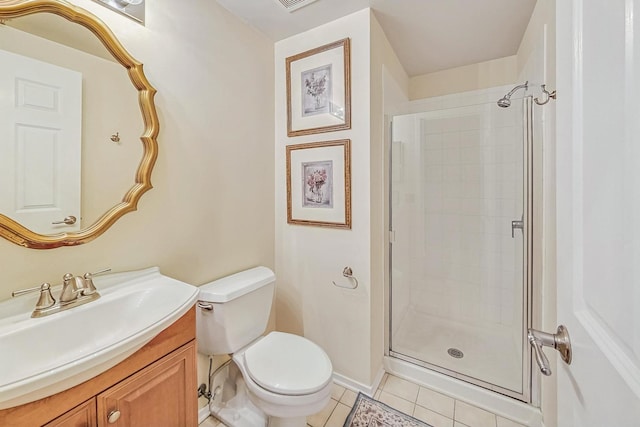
524	86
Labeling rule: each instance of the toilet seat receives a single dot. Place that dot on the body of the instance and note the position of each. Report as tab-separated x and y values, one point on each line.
287	364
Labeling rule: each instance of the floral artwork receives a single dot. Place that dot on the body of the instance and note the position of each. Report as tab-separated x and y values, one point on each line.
316	90
318	184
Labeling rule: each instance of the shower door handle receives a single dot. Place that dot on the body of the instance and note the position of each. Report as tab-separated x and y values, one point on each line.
517	224
560	341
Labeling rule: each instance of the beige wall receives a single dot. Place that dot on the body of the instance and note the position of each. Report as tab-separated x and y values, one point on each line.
308	258
389	86
482	75
210	212
348	324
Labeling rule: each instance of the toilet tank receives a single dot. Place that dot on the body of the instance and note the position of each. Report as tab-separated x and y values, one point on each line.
241	306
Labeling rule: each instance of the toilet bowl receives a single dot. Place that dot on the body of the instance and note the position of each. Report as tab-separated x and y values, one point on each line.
278	379
287	375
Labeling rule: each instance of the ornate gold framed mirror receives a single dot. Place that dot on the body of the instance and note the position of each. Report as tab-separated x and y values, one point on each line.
39	161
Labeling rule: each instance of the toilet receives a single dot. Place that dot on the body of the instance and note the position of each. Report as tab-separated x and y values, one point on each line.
278	379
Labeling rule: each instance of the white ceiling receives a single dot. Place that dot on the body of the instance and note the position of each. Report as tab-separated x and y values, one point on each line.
427	35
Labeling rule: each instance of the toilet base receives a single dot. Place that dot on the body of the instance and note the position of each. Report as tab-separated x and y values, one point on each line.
231	403
233	407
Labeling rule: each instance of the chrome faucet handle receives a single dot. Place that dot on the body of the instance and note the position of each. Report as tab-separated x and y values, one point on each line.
45	300
26	291
97	273
90	288
71	287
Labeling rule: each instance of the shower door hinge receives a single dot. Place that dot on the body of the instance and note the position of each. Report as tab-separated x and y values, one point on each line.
392	236
517	224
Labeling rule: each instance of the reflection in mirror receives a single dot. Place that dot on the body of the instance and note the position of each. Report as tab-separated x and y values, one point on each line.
70	142
133	9
87	80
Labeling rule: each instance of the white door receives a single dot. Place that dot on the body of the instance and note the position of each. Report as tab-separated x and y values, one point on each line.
598	207
40	143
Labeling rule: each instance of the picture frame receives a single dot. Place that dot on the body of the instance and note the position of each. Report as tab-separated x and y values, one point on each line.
319	184
319	89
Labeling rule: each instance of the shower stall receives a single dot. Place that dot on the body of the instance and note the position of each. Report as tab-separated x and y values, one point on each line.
461	241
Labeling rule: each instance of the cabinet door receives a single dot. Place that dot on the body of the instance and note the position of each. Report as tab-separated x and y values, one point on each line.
83	415
161	395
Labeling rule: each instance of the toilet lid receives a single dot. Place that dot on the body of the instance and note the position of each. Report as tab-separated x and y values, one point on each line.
288	364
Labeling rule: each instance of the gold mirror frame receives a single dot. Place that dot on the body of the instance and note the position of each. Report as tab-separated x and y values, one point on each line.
17	233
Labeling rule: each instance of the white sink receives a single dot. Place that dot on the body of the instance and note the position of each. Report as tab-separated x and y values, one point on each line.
43	356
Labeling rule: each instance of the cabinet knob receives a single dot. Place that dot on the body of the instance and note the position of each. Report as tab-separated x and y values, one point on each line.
113	416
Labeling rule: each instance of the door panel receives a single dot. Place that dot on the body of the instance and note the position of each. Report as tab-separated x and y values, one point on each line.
598	204
40	143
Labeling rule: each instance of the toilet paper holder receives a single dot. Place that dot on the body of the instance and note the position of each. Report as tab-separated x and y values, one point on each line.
348	273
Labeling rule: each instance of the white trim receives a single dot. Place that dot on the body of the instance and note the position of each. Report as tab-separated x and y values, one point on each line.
358	386
378	379
503	406
203	414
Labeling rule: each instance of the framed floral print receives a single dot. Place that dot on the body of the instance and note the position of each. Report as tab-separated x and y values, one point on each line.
319	184
319	90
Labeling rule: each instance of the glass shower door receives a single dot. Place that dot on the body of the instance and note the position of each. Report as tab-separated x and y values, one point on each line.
459	257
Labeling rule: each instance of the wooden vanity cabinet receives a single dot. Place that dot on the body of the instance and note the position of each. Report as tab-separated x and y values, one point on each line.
80	416
158	396
156	386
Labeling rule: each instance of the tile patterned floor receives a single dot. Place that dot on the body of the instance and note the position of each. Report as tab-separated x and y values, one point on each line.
425	404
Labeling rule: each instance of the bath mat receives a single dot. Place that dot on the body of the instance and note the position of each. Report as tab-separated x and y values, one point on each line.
368	412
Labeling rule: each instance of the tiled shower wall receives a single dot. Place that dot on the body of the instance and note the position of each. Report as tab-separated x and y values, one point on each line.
457	183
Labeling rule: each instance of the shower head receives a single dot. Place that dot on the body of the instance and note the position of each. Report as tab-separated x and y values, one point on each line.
505	101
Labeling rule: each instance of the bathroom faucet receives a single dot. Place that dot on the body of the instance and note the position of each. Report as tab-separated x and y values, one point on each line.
76	290
72	288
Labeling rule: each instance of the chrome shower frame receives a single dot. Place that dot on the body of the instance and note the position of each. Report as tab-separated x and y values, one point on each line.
530	383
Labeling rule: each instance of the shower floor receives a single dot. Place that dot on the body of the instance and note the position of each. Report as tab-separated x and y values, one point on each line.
490	355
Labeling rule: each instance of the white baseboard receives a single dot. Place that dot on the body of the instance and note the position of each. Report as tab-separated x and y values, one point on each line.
203	414
353	385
